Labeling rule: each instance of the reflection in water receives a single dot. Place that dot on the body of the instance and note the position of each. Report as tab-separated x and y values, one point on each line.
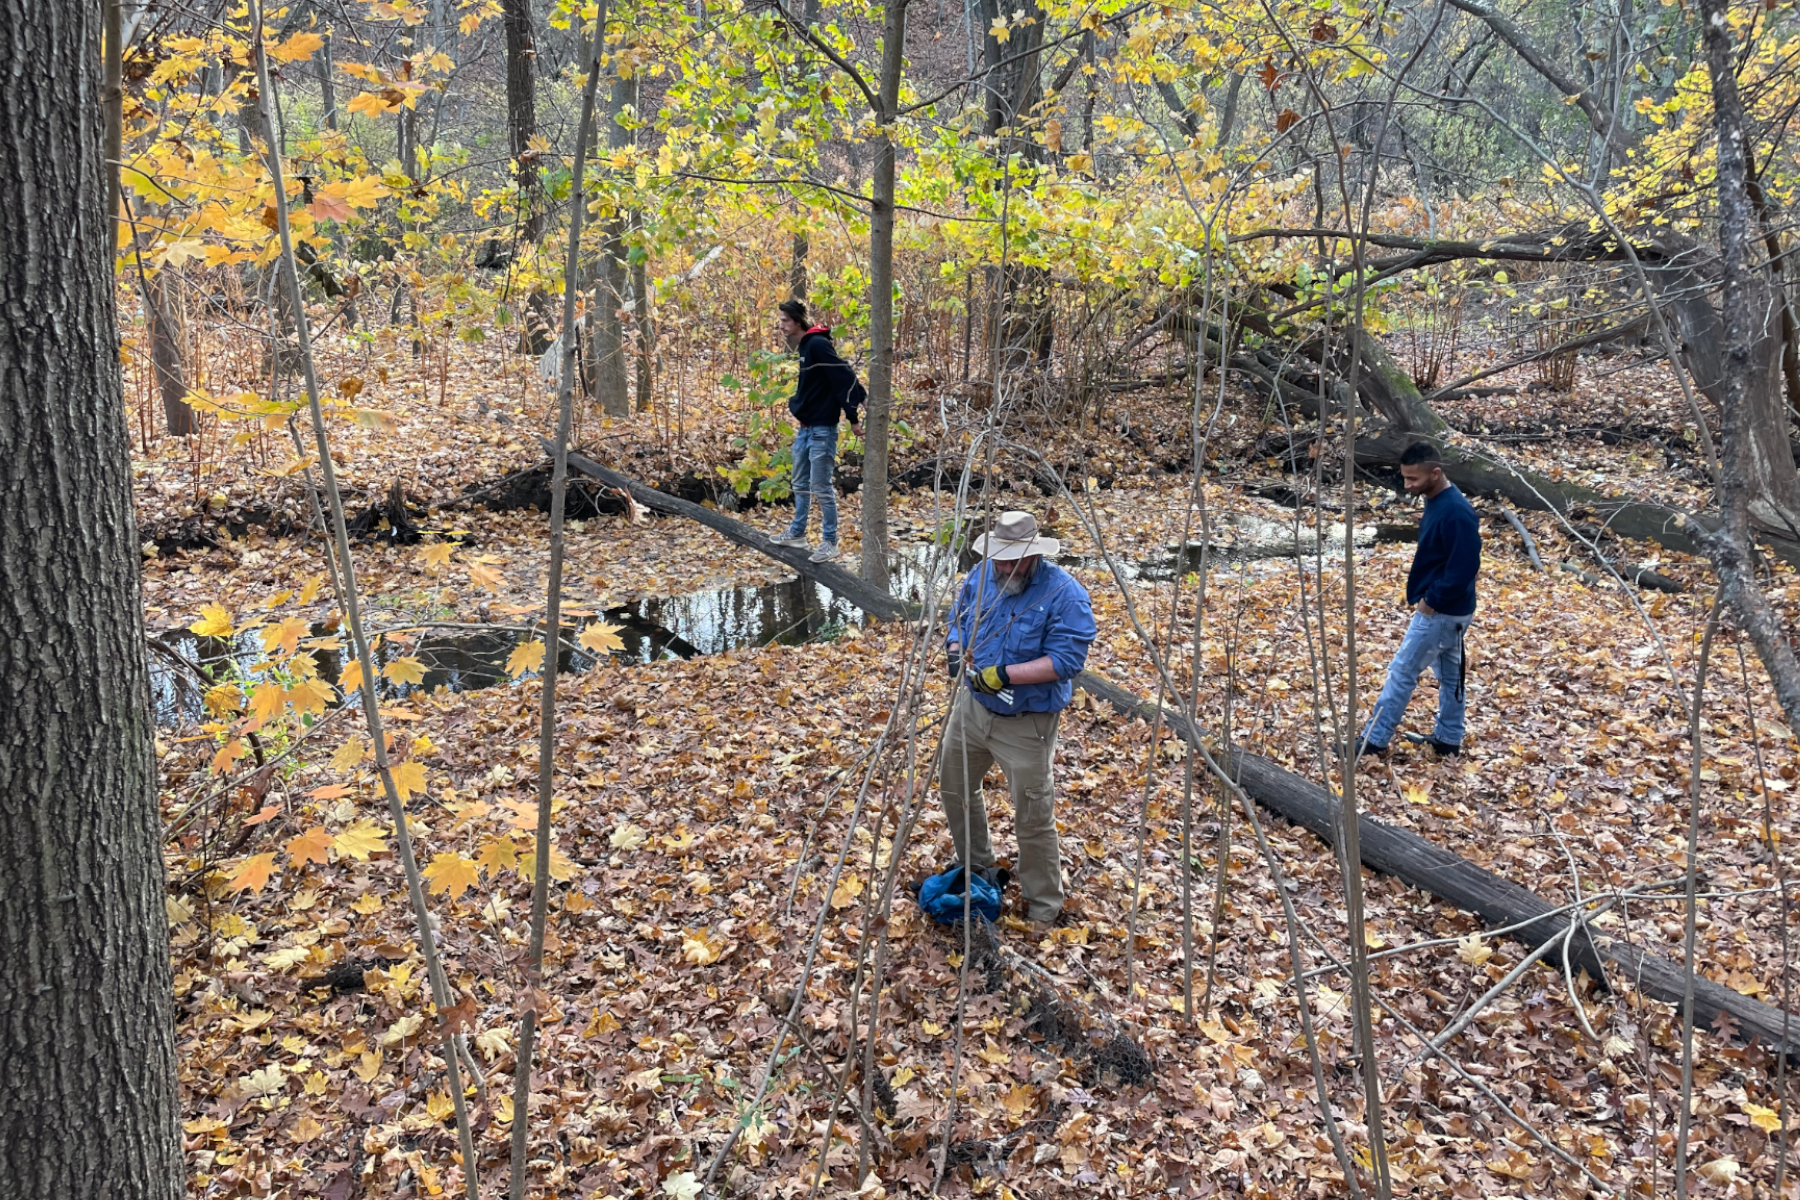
184	665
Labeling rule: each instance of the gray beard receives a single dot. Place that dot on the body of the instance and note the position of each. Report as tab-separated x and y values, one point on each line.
1012	585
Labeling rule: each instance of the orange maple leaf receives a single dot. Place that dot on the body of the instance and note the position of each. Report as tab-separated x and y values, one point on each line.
310	847
253	873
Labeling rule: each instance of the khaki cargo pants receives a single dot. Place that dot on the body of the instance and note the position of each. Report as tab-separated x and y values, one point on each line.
1024	746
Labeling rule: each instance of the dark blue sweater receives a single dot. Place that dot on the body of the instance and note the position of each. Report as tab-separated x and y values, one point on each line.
828	386
1449	556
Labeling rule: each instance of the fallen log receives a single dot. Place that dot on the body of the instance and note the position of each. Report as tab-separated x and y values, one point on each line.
850	587
1422	864
1405	855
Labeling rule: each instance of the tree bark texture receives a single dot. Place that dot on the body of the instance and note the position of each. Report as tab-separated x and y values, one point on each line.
162	313
521	111
610	378
88	1100
1746	376
879	414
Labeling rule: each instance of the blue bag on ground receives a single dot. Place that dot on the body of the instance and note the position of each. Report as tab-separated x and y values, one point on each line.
942	897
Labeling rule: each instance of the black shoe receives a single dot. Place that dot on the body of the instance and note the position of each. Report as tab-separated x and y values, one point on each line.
1362	749
1441	749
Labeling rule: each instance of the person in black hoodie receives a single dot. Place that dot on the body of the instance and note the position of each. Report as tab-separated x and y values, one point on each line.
1440	589
827	390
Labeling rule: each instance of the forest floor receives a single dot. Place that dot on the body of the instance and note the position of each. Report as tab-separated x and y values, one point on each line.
704	803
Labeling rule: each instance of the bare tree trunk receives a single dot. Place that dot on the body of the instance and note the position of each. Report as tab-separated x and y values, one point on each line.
88	1099
646	337
521	112
797	275
879	415
610	382
162	312
1015	88
114	35
1228	119
1790	336
1747	364
328	81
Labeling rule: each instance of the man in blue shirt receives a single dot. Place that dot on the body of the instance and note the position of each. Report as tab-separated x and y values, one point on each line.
1018	634
1441	591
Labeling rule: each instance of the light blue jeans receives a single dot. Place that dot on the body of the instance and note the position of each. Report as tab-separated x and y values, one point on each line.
815	453
1435	641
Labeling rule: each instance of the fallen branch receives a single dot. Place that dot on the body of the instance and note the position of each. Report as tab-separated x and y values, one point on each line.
1577	343
1531	550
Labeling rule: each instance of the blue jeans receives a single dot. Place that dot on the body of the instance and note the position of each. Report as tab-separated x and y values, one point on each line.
815	453
1435	641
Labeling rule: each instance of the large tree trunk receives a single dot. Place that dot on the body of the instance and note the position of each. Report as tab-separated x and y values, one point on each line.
88	1101
879	415
1747	374
1751	380
1024	329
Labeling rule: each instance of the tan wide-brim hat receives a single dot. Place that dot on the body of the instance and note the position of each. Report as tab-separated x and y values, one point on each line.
1015	535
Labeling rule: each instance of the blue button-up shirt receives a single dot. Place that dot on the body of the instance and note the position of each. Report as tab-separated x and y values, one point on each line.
1053	616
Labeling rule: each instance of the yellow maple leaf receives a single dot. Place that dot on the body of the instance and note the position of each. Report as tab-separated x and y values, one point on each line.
253	873
409	777
1019	1100
405	670
498	854
311	590
600	637
310	695
848	889
352	678
1471	950
438	554
305	1130
1415	794
309	847
349	754
360	840
367	903
229	753
286	635
365	192
483	576
526	657
453	873
372	104
266	701
440	1106
561	868
1765	1119
215	621
699	948
298	48
999	30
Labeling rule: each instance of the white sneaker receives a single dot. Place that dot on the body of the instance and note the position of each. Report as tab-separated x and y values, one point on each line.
788	539
826	552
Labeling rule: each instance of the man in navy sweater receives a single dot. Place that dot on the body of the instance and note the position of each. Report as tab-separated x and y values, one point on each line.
827	390
1440	589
